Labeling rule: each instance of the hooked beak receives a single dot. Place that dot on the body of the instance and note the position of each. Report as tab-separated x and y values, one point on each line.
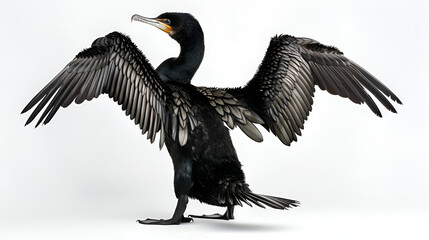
152	21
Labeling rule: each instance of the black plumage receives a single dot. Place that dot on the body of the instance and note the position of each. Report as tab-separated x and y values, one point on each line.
191	120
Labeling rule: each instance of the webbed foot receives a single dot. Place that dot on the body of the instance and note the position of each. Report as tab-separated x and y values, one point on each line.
211	216
228	215
177	215
165	221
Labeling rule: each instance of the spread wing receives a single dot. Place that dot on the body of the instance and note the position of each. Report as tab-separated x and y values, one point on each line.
115	66
281	92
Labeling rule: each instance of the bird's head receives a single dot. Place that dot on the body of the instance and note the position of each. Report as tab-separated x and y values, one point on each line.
180	26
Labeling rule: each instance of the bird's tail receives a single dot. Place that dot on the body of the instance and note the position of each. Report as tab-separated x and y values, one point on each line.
270	201
231	194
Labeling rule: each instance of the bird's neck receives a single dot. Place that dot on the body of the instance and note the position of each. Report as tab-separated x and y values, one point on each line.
191	54
183	68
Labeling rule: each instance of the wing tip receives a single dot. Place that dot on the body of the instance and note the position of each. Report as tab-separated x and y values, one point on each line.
396	99
25	110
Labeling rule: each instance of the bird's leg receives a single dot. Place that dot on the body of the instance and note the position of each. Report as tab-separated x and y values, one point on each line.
228	215
177	215
182	187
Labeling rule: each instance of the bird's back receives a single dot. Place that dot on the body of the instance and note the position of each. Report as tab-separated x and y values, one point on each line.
209	147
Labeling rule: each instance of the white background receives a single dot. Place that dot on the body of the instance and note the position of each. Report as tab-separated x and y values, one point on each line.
89	174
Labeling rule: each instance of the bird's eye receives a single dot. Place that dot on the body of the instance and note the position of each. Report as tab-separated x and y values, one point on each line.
167	21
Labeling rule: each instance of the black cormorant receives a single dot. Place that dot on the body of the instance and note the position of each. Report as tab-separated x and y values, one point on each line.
191	120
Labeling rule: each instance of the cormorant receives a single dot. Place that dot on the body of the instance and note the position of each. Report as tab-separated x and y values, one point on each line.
191	120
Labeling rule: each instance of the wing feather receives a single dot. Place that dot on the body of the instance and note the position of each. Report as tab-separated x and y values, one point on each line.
328	63
113	65
233	111
281	92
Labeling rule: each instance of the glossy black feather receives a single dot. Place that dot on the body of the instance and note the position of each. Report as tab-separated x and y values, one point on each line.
329	63
112	65
281	92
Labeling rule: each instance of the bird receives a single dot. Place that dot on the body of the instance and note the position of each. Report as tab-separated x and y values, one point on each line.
194	122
